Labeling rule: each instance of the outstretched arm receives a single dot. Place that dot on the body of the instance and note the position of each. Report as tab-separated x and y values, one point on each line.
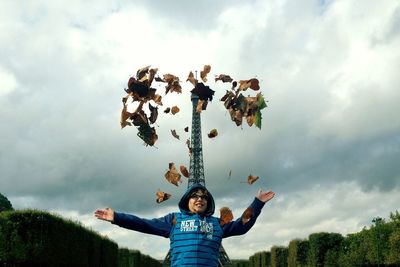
243	224
160	226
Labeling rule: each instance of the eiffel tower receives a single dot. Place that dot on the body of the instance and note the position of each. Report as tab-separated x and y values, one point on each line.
196	173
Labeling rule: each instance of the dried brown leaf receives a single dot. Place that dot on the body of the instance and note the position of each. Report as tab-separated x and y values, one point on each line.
153	113
186	129
189	146
162	196
204	72
244	85
172	175
184	171
173	84
251	119
224	78
254	84
226	216
251	179
141	74
173	132
199	106
157	99
192	79
152	73
247	214
124	116
167	110
213	133
174	110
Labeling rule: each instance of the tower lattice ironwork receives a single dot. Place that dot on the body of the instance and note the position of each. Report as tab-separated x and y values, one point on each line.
196	173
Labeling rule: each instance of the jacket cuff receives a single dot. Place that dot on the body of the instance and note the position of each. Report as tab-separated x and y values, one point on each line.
257	204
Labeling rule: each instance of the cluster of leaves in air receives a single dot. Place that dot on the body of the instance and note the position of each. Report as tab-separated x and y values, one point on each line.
140	90
238	105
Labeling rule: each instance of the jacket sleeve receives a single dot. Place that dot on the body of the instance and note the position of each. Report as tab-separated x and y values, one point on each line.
159	226
238	227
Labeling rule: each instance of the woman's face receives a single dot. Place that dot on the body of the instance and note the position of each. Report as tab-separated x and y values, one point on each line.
198	201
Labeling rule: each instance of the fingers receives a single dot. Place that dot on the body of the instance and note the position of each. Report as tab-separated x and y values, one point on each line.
104	214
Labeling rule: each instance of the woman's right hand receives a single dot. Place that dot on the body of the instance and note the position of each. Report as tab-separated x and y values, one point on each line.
106	214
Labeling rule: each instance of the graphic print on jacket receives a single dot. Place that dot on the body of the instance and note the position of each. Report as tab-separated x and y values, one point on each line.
195	240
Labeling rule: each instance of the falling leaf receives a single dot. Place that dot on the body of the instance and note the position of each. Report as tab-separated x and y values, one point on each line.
159	79
258	119
173	84
141	74
226	216
203	92
186	129
124	116
224	78
199	106
250	120
230	174
247	214
189	146
147	134
236	116
251	179
172	175
192	79
244	85
162	196
254	84
261	101
131	81
184	171
139	118
173	132
174	110
204	72
157	99
138	88
152	73
153	113
167	110
213	133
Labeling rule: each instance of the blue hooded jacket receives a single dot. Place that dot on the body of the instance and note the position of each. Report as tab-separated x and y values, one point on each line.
195	239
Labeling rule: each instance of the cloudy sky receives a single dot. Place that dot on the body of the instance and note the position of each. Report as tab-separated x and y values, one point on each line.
329	145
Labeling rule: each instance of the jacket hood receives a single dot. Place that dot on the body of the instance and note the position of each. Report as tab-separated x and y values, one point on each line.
183	203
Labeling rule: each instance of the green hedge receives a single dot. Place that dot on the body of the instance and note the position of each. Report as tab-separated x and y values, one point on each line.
265	259
37	238
378	245
324	248
33	237
297	253
240	263
279	256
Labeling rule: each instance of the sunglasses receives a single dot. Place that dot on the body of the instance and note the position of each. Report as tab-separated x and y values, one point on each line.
197	196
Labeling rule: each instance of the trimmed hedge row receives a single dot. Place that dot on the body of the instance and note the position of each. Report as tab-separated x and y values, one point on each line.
378	245
37	238
240	263
131	258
